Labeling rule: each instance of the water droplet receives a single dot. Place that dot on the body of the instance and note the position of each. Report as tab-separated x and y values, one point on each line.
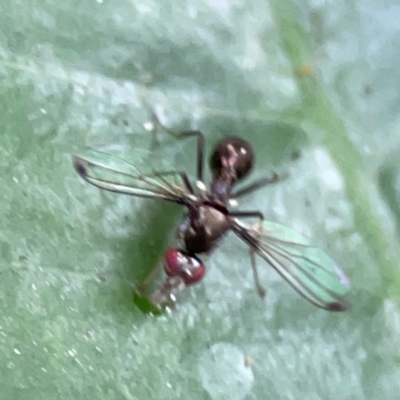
149	126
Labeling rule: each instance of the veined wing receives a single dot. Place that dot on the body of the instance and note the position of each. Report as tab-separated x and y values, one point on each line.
112	168
309	270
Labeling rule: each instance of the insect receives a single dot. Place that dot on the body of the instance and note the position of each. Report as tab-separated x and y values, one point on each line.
209	217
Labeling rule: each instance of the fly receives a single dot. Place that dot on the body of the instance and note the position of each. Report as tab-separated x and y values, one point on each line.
209	217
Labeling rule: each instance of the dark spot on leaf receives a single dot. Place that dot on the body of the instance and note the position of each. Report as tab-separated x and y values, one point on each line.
296	154
367	90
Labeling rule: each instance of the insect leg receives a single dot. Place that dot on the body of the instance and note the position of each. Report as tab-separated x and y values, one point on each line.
251	214
247	214
256	185
260	289
186	134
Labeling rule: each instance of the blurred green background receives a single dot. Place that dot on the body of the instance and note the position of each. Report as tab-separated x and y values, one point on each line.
312	84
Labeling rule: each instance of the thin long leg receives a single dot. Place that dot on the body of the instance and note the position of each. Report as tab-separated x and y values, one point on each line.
247	214
260	289
243	234
185	134
182	174
255	186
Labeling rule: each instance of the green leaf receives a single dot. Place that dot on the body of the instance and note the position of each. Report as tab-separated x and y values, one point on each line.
312	85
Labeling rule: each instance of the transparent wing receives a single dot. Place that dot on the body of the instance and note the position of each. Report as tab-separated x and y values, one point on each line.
308	269
135	172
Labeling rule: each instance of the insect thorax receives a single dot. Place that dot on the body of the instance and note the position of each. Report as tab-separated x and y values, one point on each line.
204	226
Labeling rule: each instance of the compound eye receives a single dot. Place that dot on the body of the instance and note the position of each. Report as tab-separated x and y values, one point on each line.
233	155
188	267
